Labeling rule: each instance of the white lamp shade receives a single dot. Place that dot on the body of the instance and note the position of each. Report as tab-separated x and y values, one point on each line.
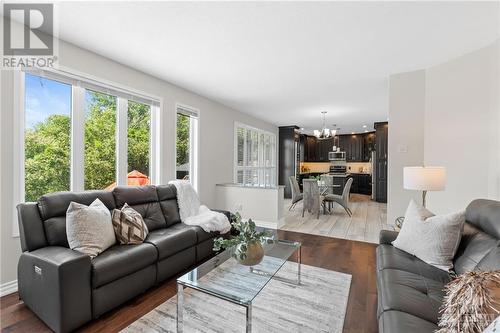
424	178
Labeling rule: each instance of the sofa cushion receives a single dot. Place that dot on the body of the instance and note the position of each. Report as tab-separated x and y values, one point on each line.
397	322
53	208
134	195
169	241
167	195
491	262
121	260
411	293
475	245
388	257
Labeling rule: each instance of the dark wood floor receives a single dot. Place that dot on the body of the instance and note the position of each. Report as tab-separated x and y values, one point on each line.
355	258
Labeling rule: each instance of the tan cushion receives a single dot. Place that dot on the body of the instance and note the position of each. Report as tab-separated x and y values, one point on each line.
89	228
129	225
471	303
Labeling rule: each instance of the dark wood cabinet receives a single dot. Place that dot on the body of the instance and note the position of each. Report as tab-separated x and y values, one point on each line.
324	147
368	145
381	146
288	150
361	183
311	149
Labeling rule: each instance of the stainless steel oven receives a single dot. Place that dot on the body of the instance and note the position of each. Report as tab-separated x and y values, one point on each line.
336	156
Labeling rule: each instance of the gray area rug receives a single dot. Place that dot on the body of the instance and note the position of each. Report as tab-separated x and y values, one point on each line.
317	305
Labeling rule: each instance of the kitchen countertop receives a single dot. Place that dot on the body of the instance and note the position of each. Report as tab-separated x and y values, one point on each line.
342	175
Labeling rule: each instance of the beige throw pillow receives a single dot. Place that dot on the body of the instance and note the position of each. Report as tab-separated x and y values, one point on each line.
431	238
89	228
129	226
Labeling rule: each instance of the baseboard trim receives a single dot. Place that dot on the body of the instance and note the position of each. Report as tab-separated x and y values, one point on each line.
8	288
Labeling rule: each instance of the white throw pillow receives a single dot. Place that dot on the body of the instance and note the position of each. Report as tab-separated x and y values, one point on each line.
89	228
431	238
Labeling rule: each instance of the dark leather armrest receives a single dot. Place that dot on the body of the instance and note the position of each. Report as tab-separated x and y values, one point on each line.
387	236
55	282
225	212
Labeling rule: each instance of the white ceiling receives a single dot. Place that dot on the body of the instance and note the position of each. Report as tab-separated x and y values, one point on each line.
283	62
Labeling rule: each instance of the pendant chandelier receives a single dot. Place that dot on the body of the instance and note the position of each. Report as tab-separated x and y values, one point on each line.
324	133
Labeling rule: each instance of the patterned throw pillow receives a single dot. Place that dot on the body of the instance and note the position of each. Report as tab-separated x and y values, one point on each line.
129	225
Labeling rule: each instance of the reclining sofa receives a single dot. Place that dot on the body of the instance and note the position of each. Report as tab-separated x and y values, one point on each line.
66	289
410	292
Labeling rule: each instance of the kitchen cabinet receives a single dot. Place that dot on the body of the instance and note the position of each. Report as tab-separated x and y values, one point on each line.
368	145
381	146
354	147
361	183
311	149
324	147
288	141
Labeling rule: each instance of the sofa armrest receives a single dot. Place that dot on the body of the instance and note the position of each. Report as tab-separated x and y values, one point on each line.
225	212
387	236
55	282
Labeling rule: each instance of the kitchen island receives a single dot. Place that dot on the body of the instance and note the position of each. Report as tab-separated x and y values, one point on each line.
264	205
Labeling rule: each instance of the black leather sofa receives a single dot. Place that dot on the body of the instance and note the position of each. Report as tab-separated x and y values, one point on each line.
66	289
410	292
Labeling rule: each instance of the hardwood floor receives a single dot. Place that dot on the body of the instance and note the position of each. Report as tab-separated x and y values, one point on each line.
352	257
368	218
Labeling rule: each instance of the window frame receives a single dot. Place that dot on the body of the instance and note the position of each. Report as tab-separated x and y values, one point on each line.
261	168
79	83
194	145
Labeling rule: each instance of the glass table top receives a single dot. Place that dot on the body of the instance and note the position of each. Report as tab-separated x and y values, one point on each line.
223	277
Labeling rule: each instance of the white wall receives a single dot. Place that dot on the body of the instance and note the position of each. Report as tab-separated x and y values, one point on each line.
461	128
460	124
406	121
216	126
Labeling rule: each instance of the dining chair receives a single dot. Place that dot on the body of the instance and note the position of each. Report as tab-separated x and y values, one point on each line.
296	195
343	199
312	200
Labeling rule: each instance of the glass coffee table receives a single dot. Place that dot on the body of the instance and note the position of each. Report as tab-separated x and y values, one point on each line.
223	277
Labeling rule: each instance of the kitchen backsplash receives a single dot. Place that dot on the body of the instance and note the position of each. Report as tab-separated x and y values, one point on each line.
306	167
317	167
359	167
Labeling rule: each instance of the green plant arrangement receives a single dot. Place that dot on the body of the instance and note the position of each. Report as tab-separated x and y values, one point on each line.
247	243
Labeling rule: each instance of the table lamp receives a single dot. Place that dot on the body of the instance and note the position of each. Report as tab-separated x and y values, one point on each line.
424	179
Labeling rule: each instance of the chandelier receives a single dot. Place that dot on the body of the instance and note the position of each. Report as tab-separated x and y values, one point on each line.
324	133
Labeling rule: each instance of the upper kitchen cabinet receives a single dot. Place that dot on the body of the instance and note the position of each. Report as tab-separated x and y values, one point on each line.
324	147
368	145
354	147
311	149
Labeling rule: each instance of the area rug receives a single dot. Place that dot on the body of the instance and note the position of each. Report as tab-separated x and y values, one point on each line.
318	304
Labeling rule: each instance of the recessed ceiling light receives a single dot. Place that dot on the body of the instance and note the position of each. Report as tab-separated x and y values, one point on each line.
364	126
366	131
352	132
302	128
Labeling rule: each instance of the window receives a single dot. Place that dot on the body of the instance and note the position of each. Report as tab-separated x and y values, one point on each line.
255	163
139	139
187	144
80	135
47	133
100	140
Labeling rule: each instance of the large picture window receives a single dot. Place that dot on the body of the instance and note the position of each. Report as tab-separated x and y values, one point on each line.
47	135
255	157
187	144
81	136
